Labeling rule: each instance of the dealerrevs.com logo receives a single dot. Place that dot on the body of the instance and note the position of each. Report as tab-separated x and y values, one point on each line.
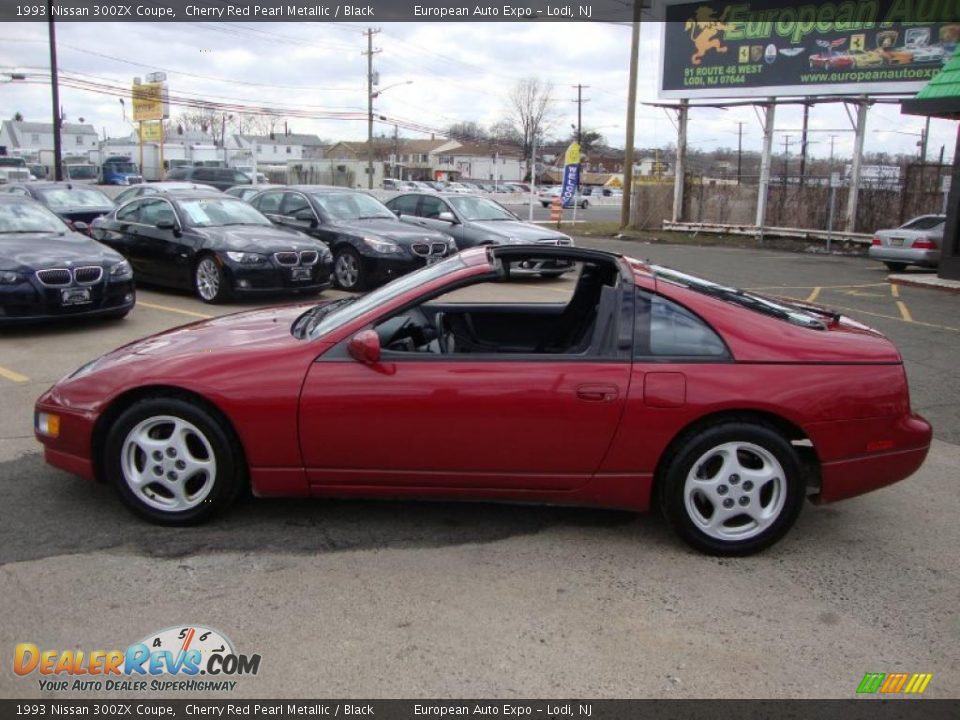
186	658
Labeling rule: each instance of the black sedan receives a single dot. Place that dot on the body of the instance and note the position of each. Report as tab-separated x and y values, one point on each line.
369	244
78	205
475	220
215	245
48	271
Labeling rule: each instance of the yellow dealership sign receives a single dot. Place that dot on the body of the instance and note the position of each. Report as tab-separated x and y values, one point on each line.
148	101
151	132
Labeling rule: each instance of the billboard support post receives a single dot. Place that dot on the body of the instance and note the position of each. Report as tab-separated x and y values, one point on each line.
770	111
861	131
679	172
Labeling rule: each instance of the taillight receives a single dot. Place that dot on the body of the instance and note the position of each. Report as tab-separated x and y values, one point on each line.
876	241
924	245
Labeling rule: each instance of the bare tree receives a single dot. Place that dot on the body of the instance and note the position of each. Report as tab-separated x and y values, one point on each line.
529	111
467	130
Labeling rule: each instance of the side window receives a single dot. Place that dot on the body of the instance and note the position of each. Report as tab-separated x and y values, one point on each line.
238	178
129	213
268	202
666	329
294	203
155	210
177	174
431	207
203	174
405	204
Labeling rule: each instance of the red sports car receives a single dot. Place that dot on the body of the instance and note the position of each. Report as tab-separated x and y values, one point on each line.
642	386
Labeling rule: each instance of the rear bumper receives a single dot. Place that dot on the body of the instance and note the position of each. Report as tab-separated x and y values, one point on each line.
926	258
908	440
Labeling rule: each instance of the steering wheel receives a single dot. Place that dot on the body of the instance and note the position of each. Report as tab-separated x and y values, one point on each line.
439	324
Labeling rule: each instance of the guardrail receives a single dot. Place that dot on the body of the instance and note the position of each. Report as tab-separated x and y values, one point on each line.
753	230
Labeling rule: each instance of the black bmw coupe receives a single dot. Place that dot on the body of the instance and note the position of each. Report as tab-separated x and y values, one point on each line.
49	271
215	245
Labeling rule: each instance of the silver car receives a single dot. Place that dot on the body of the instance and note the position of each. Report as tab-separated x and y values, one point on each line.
916	242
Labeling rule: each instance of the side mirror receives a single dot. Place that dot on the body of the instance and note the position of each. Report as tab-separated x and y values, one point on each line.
306	216
365	347
447	217
166	225
80	226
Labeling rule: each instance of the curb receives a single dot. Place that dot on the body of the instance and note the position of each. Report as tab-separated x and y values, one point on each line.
931	282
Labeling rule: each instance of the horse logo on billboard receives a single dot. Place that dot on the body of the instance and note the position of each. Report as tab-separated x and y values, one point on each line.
704	28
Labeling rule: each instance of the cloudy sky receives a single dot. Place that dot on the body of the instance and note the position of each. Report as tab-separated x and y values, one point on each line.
458	72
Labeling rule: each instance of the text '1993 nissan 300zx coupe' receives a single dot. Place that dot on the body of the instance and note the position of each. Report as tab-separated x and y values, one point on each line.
641	387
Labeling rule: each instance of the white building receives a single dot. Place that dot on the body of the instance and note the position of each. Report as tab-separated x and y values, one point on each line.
472	161
34	141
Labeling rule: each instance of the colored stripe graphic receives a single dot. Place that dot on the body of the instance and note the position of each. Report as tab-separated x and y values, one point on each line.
893	683
871	682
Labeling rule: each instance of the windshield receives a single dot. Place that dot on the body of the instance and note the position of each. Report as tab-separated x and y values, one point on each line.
358	306
220	211
475	208
26	217
77	197
785	310
352	206
81	172
125	167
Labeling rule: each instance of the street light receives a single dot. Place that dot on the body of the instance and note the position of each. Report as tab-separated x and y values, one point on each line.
375	94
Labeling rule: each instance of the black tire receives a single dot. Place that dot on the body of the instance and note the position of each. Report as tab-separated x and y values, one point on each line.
222	292
203	493
545	204
896	266
348	273
784	495
584	205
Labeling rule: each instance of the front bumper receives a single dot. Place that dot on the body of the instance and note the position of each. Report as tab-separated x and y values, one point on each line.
380	268
271	278
924	258
32	301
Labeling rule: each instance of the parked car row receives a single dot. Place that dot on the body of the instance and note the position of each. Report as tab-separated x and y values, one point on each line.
292	239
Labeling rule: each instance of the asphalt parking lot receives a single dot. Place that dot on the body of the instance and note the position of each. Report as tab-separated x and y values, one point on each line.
387	599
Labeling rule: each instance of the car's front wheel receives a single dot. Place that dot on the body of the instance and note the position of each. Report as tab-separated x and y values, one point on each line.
896	266
348	269
173	461
209	281
734	488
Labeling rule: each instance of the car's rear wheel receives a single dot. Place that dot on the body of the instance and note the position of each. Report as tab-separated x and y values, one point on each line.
734	488
348	269
895	266
172	461
209	281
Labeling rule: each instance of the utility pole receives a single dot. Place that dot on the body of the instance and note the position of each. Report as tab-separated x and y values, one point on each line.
55	86
786	157
580	101
803	142
832	138
740	151
370	53
631	117
924	140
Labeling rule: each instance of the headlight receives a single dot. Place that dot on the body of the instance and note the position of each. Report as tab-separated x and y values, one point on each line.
246	258
121	271
381	246
510	241
9	277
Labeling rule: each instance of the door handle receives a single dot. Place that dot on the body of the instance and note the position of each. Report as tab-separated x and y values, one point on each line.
597	393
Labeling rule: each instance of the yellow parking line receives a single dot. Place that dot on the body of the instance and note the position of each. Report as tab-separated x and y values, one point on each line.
894	290
140	303
904	313
813	296
12	376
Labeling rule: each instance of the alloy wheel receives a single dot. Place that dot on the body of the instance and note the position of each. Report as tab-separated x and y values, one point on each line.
347	270
208	279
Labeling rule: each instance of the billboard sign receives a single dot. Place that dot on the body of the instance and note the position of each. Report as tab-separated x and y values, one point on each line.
150	101
151	131
749	48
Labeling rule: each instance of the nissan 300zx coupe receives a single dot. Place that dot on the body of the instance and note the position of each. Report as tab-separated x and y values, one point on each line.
642	387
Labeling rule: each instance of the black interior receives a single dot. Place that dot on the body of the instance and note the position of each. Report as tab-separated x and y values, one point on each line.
584	325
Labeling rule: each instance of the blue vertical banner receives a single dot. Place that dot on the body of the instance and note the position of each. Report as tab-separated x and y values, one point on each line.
571	174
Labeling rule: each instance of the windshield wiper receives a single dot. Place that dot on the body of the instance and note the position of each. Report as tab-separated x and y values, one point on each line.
755	302
306	322
375	217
